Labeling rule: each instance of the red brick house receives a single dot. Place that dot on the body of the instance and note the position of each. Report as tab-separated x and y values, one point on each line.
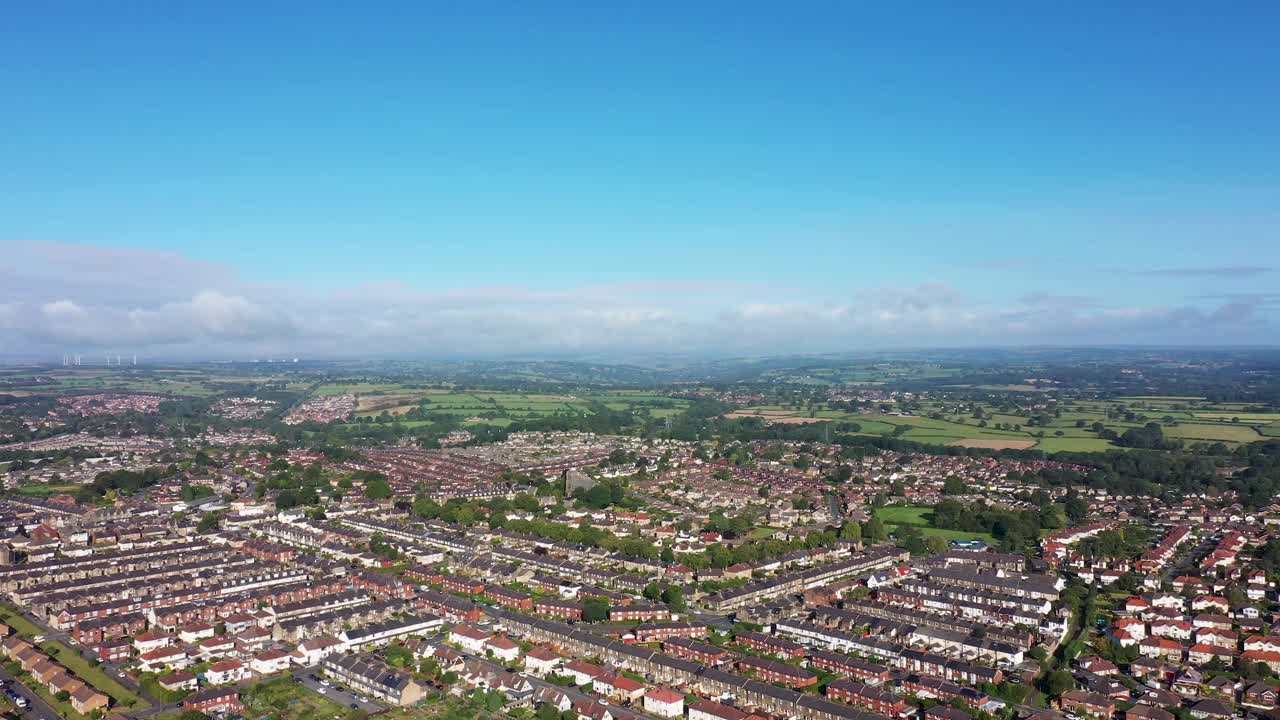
656	632
215	700
770	644
1088	703
854	667
771	671
114	650
639	612
867	697
563	609
462	585
509	598
701	653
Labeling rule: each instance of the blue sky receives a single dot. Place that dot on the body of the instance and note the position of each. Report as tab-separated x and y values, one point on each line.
520	177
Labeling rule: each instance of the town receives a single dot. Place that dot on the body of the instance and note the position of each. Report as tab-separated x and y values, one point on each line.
221	564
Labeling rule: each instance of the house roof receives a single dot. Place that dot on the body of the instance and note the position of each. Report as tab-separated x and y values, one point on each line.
664	695
176	678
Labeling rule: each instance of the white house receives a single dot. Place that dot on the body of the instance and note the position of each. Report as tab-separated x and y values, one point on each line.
311	652
468	638
270	662
503	649
664	702
226	672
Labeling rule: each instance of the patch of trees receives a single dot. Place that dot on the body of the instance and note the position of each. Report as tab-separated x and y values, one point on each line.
1256	477
128	482
191	492
1015	529
604	494
1148	437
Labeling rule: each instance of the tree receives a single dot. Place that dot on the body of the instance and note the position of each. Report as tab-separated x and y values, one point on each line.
1076	508
935	544
673	596
547	711
1059	682
851	531
874	530
910	539
595	610
398	655
208	523
652	591
377	489
954	486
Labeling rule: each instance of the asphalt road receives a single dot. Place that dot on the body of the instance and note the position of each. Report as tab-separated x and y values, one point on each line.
342	697
1188	559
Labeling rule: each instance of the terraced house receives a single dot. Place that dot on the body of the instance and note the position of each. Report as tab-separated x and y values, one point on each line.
375	678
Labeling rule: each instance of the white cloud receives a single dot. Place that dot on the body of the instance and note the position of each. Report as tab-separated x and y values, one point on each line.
67	299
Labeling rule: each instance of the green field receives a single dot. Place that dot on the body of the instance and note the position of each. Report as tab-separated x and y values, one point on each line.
1009	423
915	516
175	382
22	626
503	408
871	373
1241	416
94	676
1074	444
44	491
1224	433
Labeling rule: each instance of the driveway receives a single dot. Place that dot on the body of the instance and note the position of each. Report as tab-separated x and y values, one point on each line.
334	693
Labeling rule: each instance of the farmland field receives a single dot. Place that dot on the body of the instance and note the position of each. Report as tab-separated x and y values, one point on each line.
502	408
1241	416
994	444
1224	432
1069	426
1074	444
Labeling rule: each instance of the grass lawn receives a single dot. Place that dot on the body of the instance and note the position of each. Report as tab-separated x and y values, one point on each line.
44	491
957	534
915	516
904	515
20	625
